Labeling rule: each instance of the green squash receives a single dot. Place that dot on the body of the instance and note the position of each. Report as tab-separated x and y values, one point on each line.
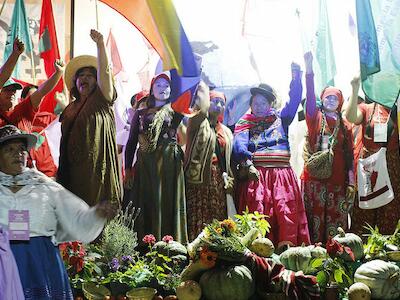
230	282
170	249
383	279
352	241
317	251
296	258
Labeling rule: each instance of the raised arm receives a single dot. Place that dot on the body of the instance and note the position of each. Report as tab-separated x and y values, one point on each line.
352	113
311	104
8	67
202	104
295	94
104	75
47	86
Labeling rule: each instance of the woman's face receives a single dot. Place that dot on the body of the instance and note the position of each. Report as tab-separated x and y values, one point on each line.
161	89
260	105
13	155
85	82
330	103
217	106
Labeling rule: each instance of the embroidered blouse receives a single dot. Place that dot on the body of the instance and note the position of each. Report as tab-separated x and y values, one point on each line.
53	210
258	136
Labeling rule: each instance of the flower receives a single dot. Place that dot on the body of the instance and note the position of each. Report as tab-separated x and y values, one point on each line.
229	224
114	264
208	258
167	239
149	239
77	263
219	230
127	258
334	248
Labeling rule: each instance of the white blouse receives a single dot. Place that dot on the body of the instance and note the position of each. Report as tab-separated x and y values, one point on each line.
53	210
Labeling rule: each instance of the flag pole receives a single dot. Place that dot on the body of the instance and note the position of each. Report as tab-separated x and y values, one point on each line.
97	15
2	6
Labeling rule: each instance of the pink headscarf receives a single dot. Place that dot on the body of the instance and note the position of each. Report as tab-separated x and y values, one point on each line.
332	91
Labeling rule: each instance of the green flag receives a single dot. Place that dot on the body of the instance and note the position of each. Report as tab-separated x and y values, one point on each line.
19	28
379	49
325	57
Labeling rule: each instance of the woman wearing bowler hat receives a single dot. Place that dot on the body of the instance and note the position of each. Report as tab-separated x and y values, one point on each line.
261	148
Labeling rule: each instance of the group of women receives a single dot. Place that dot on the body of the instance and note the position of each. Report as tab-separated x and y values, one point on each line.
179	189
180	192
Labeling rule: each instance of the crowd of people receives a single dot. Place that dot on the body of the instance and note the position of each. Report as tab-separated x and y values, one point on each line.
181	172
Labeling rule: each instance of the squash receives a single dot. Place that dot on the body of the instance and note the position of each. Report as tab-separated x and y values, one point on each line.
381	277
194	270
317	251
296	258
229	282
170	249
359	291
352	241
188	290
262	247
250	237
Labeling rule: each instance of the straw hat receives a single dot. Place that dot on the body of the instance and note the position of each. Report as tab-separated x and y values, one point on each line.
75	64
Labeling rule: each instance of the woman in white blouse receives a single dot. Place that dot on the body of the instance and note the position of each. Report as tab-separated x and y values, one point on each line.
39	213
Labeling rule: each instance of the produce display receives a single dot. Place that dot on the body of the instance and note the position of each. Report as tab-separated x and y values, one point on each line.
234	259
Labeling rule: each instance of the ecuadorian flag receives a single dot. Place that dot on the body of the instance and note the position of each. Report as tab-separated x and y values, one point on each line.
159	23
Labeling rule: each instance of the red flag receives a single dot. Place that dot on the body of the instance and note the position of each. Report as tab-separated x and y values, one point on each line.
114	53
48	47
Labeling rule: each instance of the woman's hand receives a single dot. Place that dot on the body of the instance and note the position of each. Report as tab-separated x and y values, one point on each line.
59	65
355	83
350	192
96	36
129	178
253	173
296	71
18	46
106	209
308	60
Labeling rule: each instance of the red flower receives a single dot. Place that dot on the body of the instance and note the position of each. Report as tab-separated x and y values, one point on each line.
149	239
334	248
167	239
76	262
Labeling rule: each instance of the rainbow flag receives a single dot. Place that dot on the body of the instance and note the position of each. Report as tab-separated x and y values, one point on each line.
159	23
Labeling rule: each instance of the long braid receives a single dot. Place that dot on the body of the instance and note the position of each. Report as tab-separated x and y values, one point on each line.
348	156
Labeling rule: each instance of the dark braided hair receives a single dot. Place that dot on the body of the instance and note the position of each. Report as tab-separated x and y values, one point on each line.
348	155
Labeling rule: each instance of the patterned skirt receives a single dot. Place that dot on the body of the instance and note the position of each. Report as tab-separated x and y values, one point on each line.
41	269
277	195
385	217
327	209
205	202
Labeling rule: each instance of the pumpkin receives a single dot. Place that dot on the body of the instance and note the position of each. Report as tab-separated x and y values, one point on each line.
262	247
352	241
188	290
317	251
170	249
296	258
194	270
381	277
229	282
359	291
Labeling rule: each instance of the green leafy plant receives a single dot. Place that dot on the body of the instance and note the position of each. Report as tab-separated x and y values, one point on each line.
333	268
375	247
246	221
119	238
